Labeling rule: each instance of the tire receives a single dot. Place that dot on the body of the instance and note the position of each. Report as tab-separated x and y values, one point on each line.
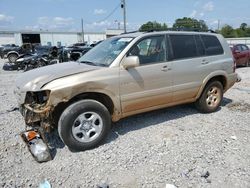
84	125
210	98
12	58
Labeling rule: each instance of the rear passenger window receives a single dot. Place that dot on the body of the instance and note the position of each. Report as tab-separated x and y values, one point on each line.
183	46
212	45
200	46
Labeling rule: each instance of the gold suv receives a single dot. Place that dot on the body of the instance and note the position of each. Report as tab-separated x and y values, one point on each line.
122	76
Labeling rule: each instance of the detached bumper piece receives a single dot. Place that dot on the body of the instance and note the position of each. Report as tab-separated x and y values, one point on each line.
36	145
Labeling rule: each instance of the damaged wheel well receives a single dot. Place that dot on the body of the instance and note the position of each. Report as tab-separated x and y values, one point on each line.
100	97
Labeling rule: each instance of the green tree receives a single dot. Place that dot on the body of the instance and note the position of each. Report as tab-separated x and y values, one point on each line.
227	31
243	26
190	23
240	33
247	32
153	26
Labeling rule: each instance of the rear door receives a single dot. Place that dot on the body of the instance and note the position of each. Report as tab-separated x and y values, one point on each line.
245	52
186	66
239	55
148	85
194	57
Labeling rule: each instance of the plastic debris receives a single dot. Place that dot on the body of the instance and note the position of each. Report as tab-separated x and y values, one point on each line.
45	184
205	175
170	186
234	137
38	148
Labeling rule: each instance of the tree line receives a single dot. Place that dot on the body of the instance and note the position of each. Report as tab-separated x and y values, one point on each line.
191	24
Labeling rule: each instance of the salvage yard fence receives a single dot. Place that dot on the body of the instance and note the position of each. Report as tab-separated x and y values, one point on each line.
232	41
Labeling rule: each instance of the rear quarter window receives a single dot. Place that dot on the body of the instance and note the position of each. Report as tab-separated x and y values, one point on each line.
212	45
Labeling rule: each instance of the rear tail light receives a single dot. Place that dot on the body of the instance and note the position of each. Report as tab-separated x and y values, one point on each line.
234	65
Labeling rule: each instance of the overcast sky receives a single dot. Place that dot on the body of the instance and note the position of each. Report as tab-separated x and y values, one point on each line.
65	15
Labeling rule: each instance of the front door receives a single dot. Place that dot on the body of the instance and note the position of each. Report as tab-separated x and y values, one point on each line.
149	84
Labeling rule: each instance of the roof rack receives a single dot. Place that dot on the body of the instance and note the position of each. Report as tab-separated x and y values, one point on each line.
182	29
130	32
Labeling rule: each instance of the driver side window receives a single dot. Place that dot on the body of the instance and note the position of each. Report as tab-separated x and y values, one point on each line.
150	50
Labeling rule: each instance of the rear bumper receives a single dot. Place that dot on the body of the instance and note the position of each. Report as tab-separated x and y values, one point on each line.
232	79
238	78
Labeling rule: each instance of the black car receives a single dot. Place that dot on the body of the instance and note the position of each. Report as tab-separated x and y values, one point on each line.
13	52
75	52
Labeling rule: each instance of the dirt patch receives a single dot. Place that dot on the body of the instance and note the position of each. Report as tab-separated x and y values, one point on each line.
239	106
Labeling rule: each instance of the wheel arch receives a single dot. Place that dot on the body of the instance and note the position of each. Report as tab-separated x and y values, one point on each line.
100	97
12	52
221	77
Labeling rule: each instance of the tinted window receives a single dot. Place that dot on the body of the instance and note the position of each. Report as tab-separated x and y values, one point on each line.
200	46
244	48
150	50
212	45
238	47
183	46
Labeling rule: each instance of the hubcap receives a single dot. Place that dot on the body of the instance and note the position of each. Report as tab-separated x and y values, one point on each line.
12	58
213	97
87	127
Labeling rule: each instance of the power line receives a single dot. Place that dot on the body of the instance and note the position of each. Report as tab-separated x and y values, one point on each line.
105	18
110	14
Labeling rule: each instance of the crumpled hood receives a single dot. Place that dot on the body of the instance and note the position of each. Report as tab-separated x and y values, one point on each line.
33	80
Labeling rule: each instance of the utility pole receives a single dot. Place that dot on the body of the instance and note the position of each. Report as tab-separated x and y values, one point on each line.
82	31
123	6
218	25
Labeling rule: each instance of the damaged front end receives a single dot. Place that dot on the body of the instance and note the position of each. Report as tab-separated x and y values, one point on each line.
37	115
36	110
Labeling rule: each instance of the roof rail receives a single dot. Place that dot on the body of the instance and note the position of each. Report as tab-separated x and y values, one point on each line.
130	32
182	29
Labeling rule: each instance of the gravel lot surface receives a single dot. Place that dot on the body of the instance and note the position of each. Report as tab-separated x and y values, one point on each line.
176	146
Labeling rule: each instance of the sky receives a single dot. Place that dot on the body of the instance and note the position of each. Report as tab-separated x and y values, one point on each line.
98	15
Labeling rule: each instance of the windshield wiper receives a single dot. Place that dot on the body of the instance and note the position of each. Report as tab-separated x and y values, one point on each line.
102	65
88	63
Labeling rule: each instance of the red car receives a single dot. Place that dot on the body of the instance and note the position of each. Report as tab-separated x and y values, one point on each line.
241	54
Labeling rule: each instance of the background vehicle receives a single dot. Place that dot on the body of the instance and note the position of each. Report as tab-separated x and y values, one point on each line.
241	54
95	43
75	52
12	53
9	51
124	76
31	61
3	47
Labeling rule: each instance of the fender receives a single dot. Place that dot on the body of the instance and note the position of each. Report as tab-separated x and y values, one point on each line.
12	52
209	77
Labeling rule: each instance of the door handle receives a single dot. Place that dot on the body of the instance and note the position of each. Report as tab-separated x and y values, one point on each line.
165	68
204	62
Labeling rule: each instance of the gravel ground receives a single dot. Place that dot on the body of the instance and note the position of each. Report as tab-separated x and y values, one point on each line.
176	146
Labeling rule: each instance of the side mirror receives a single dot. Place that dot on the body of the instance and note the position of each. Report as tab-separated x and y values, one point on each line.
130	62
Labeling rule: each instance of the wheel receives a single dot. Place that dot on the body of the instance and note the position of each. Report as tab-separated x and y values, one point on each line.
210	98
84	124
12	58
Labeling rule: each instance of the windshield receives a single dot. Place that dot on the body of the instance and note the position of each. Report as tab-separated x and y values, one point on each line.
106	52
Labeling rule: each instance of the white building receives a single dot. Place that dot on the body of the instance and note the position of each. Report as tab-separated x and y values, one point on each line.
53	38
